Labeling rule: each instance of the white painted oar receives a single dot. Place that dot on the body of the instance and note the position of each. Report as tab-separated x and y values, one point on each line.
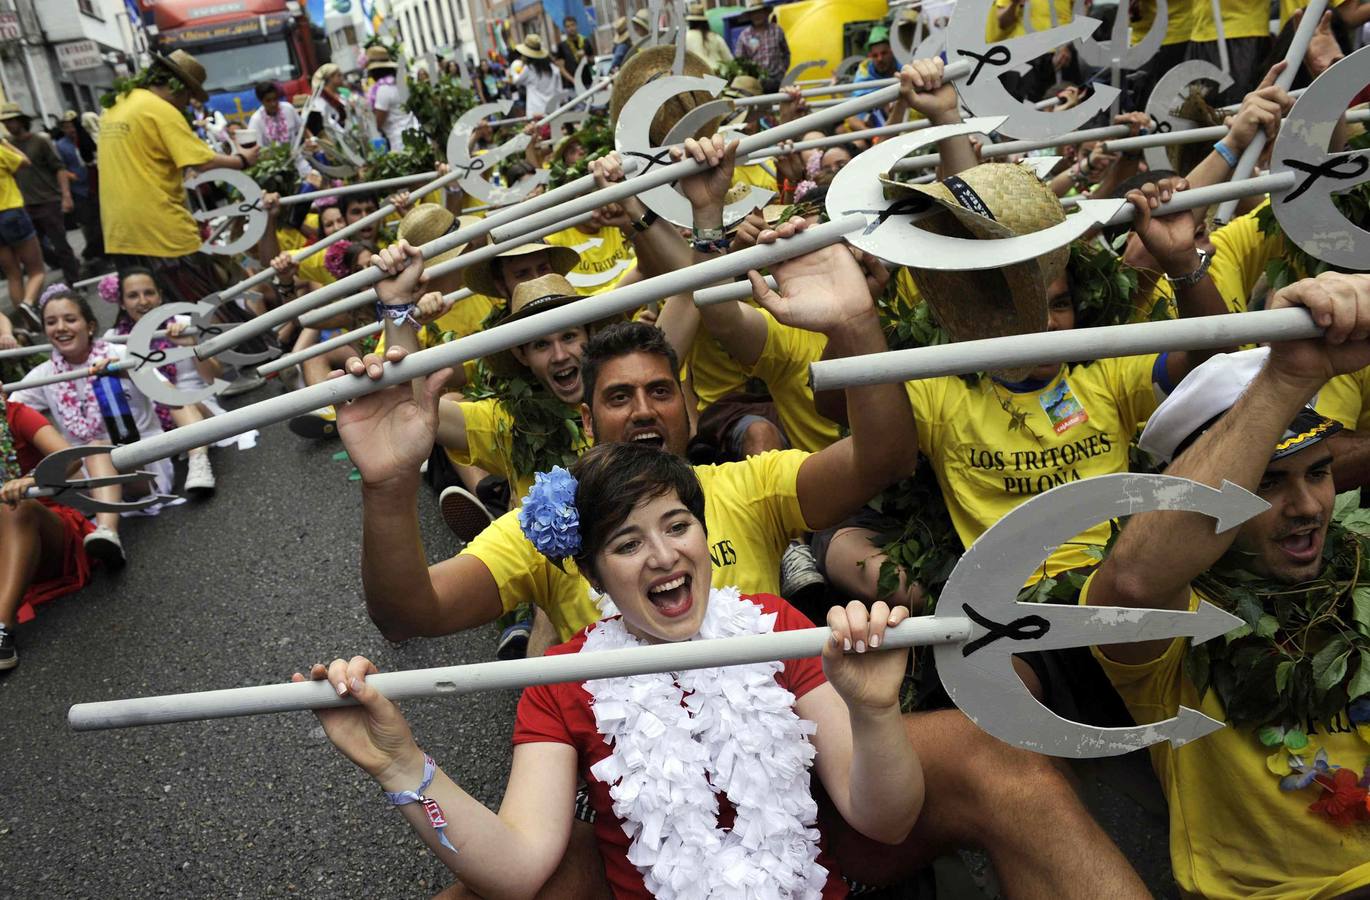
1293	59
26	382
1074	345
280	364
1194	135
489	676
21	352
1011	148
502	337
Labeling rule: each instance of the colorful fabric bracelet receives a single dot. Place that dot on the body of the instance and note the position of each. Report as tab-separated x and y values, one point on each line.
398	314
430	807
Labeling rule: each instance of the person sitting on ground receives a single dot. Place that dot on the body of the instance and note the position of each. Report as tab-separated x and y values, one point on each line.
100	409
137	294
42	549
642	543
1274	804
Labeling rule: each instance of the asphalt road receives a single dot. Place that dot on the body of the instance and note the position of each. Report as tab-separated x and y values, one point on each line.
243	589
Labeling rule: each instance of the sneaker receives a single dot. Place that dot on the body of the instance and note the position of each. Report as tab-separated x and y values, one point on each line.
30	316
199	476
9	656
316	425
799	573
513	641
465	516
247	381
103	546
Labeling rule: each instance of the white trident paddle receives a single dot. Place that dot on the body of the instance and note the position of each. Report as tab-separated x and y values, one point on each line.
978	627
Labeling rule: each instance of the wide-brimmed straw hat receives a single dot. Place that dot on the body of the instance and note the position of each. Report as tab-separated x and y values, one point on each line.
620	29
641	21
746	86
10	111
648	65
990	202
695	13
480	277
430	221
377	57
530	298
188	70
532	47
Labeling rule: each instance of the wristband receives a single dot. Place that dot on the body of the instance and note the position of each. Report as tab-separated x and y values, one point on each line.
398	314
430	807
707	234
1205	260
243	160
647	220
711	245
1226	153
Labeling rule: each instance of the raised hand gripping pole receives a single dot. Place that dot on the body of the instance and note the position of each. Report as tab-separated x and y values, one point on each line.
501	337
1303	35
978	627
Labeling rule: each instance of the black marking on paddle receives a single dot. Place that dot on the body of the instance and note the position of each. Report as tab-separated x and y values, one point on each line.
904	206
1026	628
996	56
472	167
155	357
661	157
1328	169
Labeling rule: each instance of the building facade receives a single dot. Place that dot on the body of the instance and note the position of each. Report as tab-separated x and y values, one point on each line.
437	26
65	54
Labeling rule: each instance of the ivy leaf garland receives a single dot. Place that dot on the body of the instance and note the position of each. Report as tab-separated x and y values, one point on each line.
275	170
597	138
1304	652
437	104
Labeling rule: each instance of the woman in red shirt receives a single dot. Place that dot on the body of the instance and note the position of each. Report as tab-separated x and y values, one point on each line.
700	779
42	555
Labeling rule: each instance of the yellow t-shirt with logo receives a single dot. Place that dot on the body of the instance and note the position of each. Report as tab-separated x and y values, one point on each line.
605	257
1038	13
489	443
1241	19
1241	251
145	142
1343	398
11	161
1233	832
784	366
756	174
992	448
752	512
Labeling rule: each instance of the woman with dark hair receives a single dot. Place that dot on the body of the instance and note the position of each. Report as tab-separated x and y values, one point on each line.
274	122
535	75
700	780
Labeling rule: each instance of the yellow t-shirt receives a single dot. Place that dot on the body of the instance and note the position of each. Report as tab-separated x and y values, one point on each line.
1179	18
489	443
1233	832
756	174
1241	19
605	257
11	160
144	144
784	366
1077	426
752	512
1241	251
1343	398
1289	7
1038	13
712	371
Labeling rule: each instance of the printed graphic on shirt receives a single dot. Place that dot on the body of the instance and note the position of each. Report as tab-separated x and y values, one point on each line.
1061	407
1036	471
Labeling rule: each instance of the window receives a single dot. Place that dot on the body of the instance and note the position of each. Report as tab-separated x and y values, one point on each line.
90	8
241	67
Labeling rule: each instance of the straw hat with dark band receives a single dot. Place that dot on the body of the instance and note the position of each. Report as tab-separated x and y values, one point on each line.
990	202
429	221
695	13
532	47
530	298
648	65
187	70
481	276
377	57
621	30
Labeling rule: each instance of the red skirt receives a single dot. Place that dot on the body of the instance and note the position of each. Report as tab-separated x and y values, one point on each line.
75	563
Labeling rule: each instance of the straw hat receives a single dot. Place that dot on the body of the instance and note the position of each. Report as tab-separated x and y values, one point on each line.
70	116
640	20
481	276
530	298
621	30
532	47
1006	300
746	86
10	111
648	65
377	57
430	221
188	70
563	146
695	13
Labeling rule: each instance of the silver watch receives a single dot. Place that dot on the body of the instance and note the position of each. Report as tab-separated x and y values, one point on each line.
1193	278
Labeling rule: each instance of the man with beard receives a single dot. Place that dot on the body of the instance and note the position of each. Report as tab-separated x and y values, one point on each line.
1274	805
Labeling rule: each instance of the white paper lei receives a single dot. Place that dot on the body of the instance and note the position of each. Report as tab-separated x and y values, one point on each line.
677	738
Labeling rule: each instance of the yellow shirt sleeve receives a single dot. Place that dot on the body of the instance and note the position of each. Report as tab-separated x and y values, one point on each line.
752	512
784	366
524	575
487	443
1343	399
1241	253
184	148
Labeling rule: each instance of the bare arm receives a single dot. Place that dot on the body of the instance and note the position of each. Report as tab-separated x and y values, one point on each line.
921	88
1350	459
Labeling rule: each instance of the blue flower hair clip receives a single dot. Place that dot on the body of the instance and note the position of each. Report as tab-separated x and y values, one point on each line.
549	518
